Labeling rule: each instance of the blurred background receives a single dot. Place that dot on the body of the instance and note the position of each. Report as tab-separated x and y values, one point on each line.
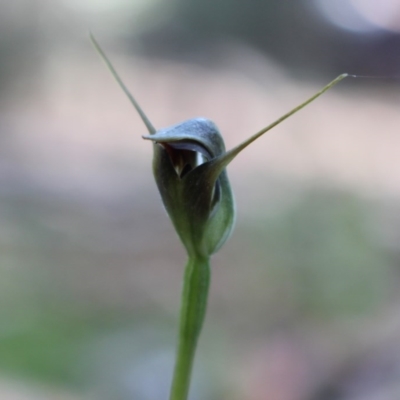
304	301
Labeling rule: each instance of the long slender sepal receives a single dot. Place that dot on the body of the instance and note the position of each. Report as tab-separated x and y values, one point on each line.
219	163
193	308
114	73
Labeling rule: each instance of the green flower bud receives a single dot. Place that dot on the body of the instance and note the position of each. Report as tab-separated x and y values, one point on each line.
196	193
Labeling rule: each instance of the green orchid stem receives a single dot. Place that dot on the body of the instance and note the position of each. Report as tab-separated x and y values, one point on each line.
193	309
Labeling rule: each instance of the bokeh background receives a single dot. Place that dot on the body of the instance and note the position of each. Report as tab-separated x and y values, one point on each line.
304	302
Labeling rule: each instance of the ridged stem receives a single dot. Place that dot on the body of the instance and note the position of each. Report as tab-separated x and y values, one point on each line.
193	308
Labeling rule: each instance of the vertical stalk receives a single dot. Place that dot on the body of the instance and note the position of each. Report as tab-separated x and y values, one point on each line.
193	308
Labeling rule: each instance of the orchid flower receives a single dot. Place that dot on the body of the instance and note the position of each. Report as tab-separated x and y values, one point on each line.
189	166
